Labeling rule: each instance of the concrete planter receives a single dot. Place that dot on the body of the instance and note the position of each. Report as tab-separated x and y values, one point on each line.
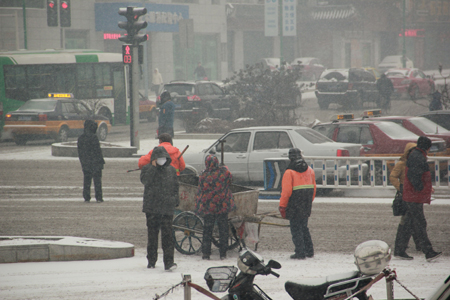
109	150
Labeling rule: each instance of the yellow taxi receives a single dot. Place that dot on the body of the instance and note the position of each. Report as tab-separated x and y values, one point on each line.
59	116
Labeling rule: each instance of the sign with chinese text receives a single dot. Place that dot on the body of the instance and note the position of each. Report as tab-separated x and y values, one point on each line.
159	17
271	18
289	18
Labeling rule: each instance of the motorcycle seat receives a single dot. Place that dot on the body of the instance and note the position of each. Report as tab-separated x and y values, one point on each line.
315	288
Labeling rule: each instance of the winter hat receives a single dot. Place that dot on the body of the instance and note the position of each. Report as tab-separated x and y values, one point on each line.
423	143
294	153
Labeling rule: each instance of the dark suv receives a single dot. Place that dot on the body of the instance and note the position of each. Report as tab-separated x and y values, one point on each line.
347	87
196	100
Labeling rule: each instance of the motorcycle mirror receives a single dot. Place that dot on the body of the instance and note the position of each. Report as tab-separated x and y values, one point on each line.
274	264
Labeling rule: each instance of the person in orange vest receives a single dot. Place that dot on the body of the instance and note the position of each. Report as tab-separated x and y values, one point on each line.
165	140
298	190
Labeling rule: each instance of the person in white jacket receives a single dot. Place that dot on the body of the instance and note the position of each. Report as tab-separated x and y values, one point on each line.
156	81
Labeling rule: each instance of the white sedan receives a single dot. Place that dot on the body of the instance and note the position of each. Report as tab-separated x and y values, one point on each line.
245	150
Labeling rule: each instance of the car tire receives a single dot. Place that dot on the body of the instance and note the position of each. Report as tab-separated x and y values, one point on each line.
102	132
104	111
20	140
414	92
63	135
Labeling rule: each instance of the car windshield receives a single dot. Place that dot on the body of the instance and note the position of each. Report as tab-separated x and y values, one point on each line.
396	131
334	75
391	59
427	126
313	136
40	105
397	73
180	89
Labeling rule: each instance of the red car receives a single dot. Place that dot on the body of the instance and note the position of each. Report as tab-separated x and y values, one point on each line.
420	126
378	138
410	81
311	67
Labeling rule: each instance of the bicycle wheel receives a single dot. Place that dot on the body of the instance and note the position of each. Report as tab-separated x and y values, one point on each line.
188	233
233	240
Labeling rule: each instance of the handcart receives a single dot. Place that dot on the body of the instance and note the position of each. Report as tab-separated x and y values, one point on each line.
188	227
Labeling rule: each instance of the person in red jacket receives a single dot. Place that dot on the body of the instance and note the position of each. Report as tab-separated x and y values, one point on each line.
417	190
297	194
165	140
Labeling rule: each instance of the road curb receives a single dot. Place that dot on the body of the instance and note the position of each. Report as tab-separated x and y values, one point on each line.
15	249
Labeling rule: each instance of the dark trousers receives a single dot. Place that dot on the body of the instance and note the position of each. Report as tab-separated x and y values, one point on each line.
155	223
415	217
301	237
208	226
87	180
168	130
404	233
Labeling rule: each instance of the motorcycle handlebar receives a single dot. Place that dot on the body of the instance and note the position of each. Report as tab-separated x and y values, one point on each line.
275	274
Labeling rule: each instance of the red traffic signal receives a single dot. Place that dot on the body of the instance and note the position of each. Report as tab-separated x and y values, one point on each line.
64	13
52	13
132	25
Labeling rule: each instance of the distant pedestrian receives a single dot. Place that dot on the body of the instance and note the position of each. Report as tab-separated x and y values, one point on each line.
404	230
157	81
160	199
435	103
297	194
166	114
385	89
214	202
200	72
91	159
165	140
417	190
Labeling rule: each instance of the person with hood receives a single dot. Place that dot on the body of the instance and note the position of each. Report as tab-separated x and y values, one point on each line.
166	114
417	190
91	159
214	202
160	199
385	88
435	103
165	140
404	230
298	190
156	81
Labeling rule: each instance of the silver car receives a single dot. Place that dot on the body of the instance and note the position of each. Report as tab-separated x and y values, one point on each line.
245	150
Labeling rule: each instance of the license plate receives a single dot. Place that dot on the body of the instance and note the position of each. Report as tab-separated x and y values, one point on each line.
24	118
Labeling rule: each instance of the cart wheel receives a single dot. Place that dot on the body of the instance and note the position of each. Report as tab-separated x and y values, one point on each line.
188	233
233	240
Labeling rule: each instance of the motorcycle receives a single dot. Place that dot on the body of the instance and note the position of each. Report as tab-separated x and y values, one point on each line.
371	258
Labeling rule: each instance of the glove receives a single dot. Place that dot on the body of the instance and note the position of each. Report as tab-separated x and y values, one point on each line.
282	212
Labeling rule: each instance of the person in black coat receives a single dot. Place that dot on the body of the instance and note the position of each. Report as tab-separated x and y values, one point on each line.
160	199
91	159
385	89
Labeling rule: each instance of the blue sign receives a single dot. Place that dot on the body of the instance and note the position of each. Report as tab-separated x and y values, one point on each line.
160	17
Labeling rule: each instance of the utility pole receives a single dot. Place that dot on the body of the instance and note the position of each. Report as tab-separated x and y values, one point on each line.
24	15
403	35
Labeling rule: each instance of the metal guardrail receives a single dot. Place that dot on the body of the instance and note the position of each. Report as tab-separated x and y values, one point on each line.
378	176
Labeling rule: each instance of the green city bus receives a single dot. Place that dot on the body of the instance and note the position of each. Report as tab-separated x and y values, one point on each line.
90	75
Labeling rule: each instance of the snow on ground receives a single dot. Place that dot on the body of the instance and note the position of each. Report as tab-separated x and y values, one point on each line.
128	278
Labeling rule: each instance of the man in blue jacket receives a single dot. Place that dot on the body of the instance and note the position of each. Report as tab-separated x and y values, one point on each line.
166	114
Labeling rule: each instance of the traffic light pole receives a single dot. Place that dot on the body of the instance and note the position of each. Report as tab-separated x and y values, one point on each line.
134	100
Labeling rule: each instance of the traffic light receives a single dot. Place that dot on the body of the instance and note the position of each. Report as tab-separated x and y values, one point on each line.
64	13
52	13
127	54
132	25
